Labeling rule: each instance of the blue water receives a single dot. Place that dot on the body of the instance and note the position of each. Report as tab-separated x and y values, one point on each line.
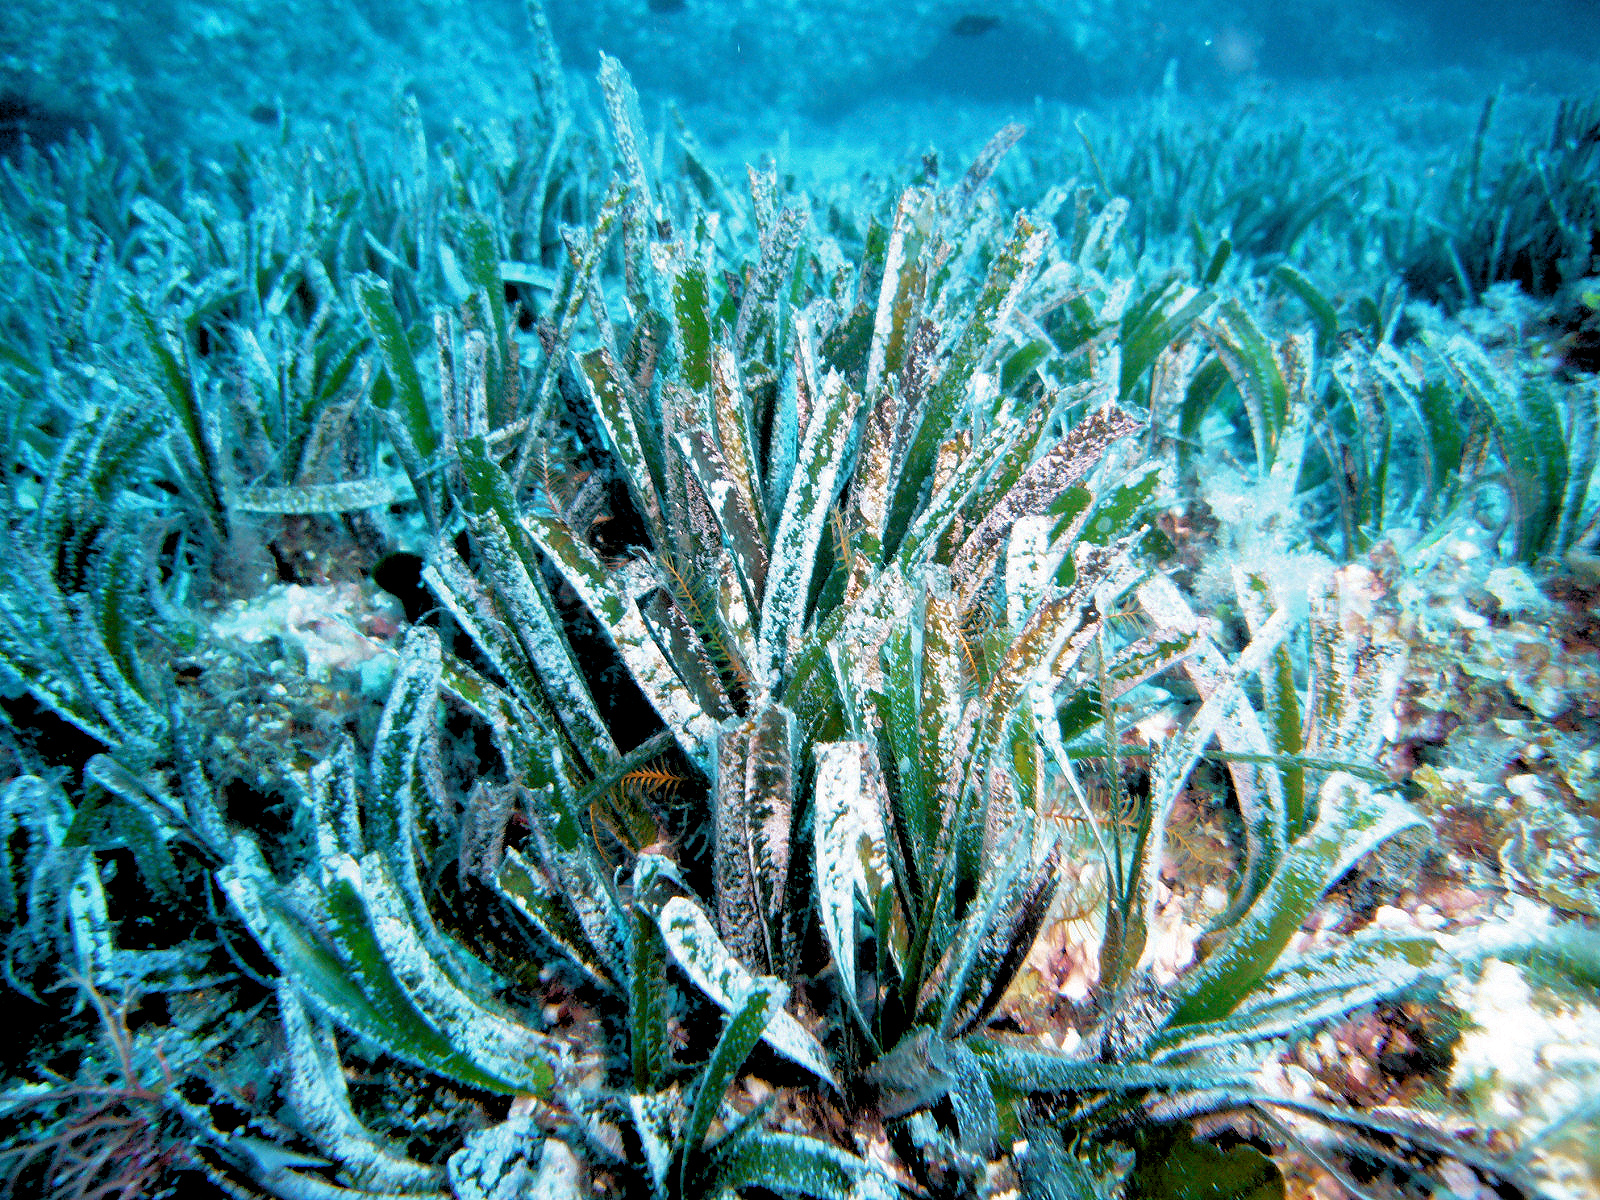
209	74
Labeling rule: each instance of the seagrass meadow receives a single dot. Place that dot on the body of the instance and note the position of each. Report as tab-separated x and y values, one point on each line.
611	651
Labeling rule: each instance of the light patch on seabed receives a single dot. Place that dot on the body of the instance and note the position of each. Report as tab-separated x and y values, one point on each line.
327	623
1529	1059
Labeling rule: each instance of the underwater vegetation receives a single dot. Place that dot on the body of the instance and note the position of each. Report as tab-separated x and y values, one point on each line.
1531	222
960	694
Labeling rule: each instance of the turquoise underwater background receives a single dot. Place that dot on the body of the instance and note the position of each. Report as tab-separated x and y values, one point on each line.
676	598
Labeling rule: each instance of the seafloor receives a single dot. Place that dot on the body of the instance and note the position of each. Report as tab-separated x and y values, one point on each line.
561	641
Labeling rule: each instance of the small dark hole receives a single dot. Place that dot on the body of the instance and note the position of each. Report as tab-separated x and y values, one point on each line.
400	574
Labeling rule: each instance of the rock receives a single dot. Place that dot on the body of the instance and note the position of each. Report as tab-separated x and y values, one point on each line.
1531	1059
318	627
498	1164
